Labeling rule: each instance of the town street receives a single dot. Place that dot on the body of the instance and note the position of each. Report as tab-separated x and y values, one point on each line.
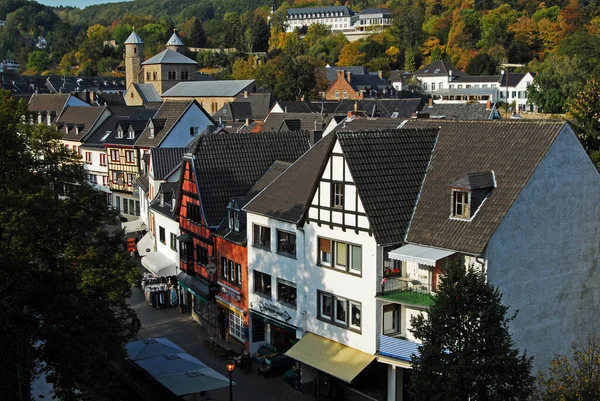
189	335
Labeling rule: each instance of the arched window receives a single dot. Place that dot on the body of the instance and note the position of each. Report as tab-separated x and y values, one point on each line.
135	50
154	75
148	76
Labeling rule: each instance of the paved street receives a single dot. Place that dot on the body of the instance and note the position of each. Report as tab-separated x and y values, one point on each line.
189	335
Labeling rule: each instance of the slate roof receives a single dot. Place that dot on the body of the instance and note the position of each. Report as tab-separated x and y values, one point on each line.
234	111
240	236
148	93
164	119
110	99
370	124
399	108
174	40
474	181
477	78
399	75
368	81
228	165
169	190
137	118
169	56
48	103
346	12
289	196
459	111
143	182
82	117
134	39
444	68
512	149
316	107
68	84
331	72
200	76
513	79
165	160
280	122
208	88
375	11
388	168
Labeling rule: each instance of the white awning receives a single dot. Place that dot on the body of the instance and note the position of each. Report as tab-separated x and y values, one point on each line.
146	245
419	254
159	264
133	226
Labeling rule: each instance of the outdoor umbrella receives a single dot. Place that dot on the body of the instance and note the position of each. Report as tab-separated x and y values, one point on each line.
150	348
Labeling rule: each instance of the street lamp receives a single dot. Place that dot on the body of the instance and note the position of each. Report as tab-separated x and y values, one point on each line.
230	367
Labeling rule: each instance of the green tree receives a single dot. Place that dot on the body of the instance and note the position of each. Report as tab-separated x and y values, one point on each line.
482	64
410	64
575	377
197	36
467	352
231	27
585	109
65	279
288	78
38	61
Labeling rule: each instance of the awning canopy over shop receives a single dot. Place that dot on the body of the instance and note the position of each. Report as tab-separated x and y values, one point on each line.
159	264
197	287
419	254
146	245
272	321
333	358
133	226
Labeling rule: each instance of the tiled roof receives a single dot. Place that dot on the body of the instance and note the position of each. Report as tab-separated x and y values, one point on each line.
208	88
477	78
48	102
134	39
473	181
511	149
164	199
280	122
81	117
442	68
388	168
165	160
397	108
143	182
459	111
169	56
316	107
165	118
513	79
234	111
331	72
137	124
148	93
399	75
368	81
288	197
371	11
228	165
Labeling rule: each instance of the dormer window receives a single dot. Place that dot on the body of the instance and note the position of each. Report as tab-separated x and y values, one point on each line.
151	130
119	132
460	200
470	192
233	216
131	133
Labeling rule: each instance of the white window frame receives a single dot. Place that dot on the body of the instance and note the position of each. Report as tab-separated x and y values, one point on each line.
349	315
343	301
236	325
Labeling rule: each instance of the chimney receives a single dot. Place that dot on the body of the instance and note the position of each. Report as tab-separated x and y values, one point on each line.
349	76
245	94
247	122
430	102
488	105
285	109
315	136
355	107
380	74
350	114
340	74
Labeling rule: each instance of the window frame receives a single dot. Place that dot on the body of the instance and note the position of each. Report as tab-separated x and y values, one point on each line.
333	318
463	203
113	153
337	195
162	235
262	291
236	325
290	301
88	157
129	157
290	235
173	243
261	234
103	159
349	266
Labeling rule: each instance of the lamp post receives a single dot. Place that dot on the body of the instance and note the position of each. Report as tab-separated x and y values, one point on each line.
230	367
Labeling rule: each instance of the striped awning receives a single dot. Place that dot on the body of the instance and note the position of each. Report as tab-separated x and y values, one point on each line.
397	348
419	254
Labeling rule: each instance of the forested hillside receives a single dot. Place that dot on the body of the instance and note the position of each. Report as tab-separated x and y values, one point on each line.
558	40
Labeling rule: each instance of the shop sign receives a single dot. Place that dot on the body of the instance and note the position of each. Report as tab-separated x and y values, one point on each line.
274	309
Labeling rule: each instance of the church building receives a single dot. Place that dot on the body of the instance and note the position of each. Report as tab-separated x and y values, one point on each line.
147	80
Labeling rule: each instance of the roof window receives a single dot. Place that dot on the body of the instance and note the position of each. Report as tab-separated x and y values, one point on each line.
469	192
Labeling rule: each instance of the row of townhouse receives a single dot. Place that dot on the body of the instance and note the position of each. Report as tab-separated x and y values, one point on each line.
323	250
114	142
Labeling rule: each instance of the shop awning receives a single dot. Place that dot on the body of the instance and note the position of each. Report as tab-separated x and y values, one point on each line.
133	226
159	264
197	287
419	254
330	357
272	321
146	245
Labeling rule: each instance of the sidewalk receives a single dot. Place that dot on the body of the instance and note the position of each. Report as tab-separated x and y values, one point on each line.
189	335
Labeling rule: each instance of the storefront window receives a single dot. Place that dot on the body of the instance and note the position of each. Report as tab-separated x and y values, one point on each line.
236	325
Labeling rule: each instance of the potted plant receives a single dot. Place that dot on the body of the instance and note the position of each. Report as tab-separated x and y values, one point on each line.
383	283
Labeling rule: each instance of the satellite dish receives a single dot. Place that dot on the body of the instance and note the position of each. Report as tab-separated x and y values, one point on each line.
211	268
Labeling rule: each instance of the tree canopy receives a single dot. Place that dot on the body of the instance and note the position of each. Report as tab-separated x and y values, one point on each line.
65	279
467	351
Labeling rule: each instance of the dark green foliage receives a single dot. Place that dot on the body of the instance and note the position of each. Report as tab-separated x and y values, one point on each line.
482	64
197	36
288	78
585	109
467	352
65	280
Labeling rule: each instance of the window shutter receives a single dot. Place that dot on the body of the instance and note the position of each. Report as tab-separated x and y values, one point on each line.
325	245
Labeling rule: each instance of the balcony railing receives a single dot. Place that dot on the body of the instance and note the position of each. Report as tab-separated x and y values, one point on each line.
405	290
